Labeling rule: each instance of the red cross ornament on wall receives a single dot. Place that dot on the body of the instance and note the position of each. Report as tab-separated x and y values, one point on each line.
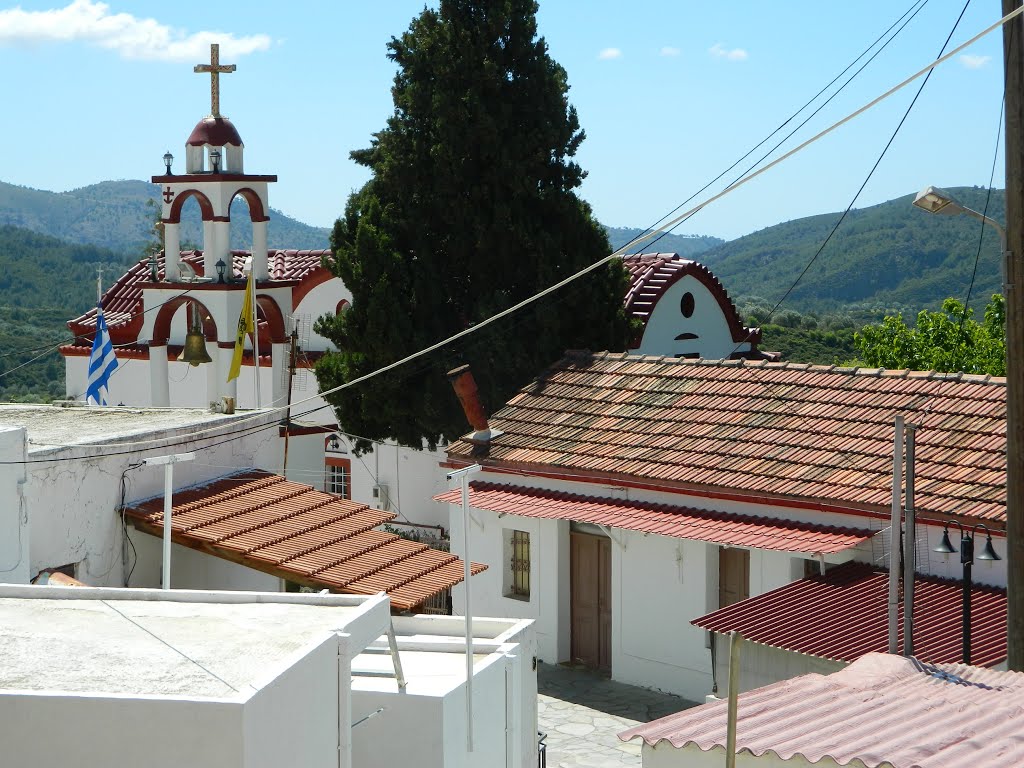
168	195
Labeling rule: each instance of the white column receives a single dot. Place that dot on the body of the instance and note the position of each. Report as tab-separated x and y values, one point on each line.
259	250
212	372
158	380
209	244
224	387
221	233
279	354
172	252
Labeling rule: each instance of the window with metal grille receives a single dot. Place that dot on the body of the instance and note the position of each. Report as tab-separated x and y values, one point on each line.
520	564
339	477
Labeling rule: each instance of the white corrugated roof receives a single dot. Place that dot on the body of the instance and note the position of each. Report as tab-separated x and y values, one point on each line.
881	710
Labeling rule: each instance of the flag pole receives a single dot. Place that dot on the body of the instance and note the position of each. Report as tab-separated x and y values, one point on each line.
256	340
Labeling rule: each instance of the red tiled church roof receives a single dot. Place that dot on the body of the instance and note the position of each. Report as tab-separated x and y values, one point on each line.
122	302
843	615
297	533
664	519
816	435
652	274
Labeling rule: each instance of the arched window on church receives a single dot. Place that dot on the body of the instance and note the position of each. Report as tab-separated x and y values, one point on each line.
343	306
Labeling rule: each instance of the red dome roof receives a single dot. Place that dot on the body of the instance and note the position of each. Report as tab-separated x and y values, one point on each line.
216	131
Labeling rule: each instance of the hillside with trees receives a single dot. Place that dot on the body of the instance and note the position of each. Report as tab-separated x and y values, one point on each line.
118	214
887	257
43	283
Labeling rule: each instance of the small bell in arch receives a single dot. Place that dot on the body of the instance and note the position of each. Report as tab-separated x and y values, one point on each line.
195	352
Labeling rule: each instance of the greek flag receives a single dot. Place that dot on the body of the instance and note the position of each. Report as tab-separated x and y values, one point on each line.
102	362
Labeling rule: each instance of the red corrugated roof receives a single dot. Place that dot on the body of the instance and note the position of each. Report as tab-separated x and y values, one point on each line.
843	615
880	711
295	532
122	302
818	435
663	519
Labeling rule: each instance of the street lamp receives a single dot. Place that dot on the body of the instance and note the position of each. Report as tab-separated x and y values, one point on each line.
221	266
935	200
967	558
168	159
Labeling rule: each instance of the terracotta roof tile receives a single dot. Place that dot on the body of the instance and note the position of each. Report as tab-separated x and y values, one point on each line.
814	433
294	531
663	519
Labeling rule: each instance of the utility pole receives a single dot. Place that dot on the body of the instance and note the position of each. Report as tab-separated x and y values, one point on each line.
1013	63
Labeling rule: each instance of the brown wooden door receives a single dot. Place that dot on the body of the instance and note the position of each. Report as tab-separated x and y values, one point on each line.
733	576
591	608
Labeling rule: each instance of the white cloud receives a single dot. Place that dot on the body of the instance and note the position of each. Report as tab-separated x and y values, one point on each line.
974	62
131	37
668	50
610	53
719	51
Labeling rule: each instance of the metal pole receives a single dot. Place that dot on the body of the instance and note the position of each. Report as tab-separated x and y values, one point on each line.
1013	62
288	408
168	463
967	559
463	476
733	705
895	533
909	549
255	342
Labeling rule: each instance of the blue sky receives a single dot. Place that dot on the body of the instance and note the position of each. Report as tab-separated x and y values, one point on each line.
670	93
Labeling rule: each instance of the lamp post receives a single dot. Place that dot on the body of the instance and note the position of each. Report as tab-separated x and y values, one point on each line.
967	558
215	161
935	200
221	266
168	159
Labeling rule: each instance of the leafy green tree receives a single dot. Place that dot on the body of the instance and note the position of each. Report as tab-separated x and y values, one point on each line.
950	340
470	208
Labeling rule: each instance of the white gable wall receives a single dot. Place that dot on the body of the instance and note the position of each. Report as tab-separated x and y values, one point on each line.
708	323
14	523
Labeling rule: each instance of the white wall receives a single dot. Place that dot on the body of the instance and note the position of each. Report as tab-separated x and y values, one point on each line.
490	717
412	477
763	665
193	570
293	718
38	729
14	521
417	719
659	585
548	604
708	323
73	505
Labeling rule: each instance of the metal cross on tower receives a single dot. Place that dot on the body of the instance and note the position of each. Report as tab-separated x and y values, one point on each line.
214	69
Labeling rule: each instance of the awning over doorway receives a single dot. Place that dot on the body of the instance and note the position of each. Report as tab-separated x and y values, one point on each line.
844	614
298	533
678	522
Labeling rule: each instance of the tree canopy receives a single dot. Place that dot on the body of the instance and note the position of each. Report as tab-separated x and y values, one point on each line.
950	340
470	209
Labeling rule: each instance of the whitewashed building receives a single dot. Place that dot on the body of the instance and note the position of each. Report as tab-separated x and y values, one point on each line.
641	507
247	680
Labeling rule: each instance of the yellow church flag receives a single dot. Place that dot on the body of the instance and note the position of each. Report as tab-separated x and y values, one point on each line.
245	326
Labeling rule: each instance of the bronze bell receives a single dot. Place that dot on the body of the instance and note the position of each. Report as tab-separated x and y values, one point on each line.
194	351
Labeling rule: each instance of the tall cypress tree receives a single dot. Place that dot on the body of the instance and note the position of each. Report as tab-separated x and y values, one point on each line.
470	209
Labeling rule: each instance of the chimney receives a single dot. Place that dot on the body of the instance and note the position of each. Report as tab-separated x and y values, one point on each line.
464	384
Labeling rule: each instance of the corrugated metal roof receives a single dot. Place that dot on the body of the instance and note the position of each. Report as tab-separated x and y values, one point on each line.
881	710
293	531
663	519
771	431
843	615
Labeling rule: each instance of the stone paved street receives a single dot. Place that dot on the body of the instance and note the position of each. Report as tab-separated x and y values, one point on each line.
583	711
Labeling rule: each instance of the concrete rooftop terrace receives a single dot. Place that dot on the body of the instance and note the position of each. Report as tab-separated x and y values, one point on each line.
153	643
50	427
